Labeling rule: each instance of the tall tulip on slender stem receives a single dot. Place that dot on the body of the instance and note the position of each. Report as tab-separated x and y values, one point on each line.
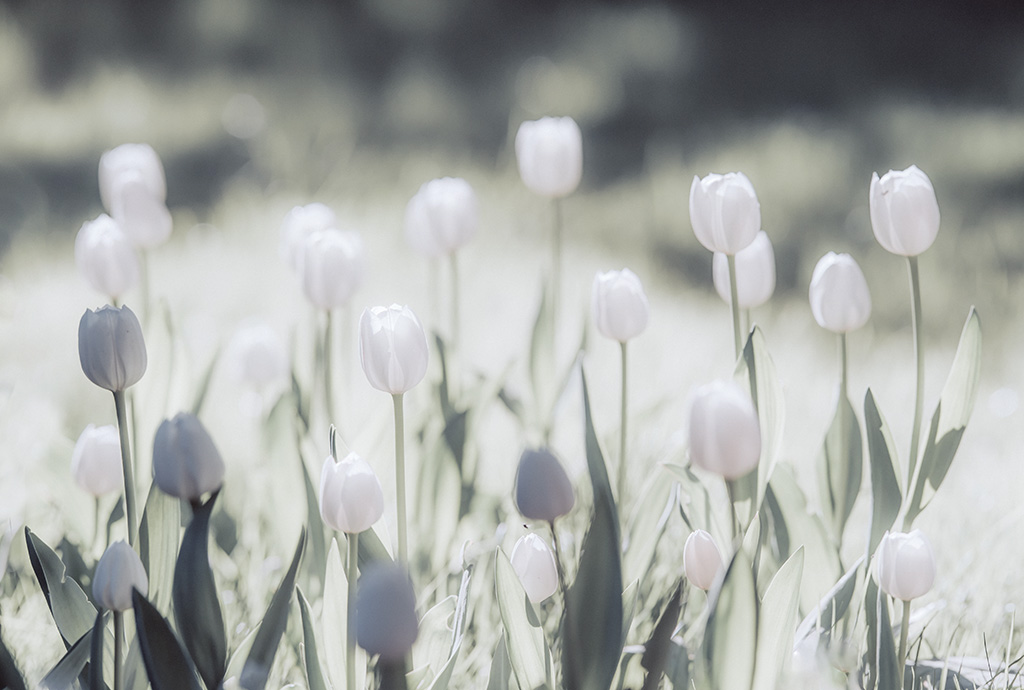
906	571
393	352
106	258
755	274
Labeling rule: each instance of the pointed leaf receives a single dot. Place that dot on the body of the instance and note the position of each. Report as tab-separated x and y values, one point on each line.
650	518
730	636
69	606
96	652
501	667
316	561
310	655
655	657
444	675
840	467
524	637
881	647
775	622
834	605
69	668
166	664
158	544
886	496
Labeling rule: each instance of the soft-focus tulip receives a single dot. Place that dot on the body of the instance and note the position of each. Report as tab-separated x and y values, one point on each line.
392	348
186	463
332	267
142	215
96	460
701	559
300	223
840	300
386	621
904	212
111	348
543	489
755	273
131	158
906	565
550	155
118	572
724	212
618	305
534	563
351	498
725	436
258	355
441	217
105	257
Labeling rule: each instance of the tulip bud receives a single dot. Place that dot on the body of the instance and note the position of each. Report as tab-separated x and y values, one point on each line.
300	223
259	356
96	460
543	489
386	621
724	212
141	214
351	498
105	257
111	348
534	563
725	437
701	559
618	305
392	348
755	273
550	155
906	565
904	212
118	572
140	158
186	464
441	217
840	300
332	267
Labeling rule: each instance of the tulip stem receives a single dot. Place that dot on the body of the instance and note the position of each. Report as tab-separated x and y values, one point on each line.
454	269
118	641
915	433
328	374
126	467
904	631
730	485
734	306
350	637
843	431
403	544
622	430
556	264
558	565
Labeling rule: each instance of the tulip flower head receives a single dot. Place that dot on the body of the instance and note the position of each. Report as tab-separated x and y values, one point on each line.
906	565
392	348
351	498
141	214
755	273
441	217
534	563
543	490
332	268
618	305
127	159
702	561
96	460
111	348
300	223
117	574
904	211
105	257
724	212
186	463
839	295
386	621
259	356
549	152
725	436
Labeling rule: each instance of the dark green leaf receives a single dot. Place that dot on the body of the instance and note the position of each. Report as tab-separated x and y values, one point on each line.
730	636
524	637
196	605
655	657
501	668
392	675
310	655
166	664
69	606
840	468
678	668
96	652
10	676
881	647
69	668
158	543
372	549
886	497
315	562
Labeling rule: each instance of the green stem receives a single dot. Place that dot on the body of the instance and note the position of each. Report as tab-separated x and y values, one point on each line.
403	544
558	565
730	486
350	638
328	374
843	431
144	284
622	430
118	641
734	305
126	467
454	269
96	523
556	261
904	631
915	289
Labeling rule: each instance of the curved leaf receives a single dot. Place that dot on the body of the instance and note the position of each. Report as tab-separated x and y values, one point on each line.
166	664
69	606
310	655
775	622
158	544
730	636
524	637
656	651
501	669
834	605
886	496
96	652
67	670
840	468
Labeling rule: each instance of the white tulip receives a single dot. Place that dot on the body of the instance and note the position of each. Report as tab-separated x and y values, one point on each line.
258	355
300	223
725	436
96	460
724	212
906	565
441	217
118	572
111	348
839	295
392	348
186	463
141	214
129	158
534	563
351	498
105	257
702	560
549	152
332	268
904	211
755	273
618	305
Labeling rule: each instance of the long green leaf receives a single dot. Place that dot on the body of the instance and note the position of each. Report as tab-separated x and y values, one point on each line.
775	622
886	496
68	669
158	544
166	664
96	652
316	561
196	606
444	675
310	653
647	525
730	636
840	468
881	647
501	668
70	608
524	637
834	605
656	651
264	647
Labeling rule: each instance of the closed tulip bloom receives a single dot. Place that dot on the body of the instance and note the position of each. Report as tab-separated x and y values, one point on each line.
105	257
543	489
725	436
906	565
550	155
839	295
755	273
111	348
441	217
332	268
386	621
259	356
618	305
96	460
186	463
392	348
701	559
129	158
300	223
535	565
351	498
117	574
904	211
724	212
141	214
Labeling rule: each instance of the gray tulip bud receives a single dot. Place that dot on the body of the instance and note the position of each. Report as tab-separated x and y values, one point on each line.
118	572
386	621
543	489
186	463
111	348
